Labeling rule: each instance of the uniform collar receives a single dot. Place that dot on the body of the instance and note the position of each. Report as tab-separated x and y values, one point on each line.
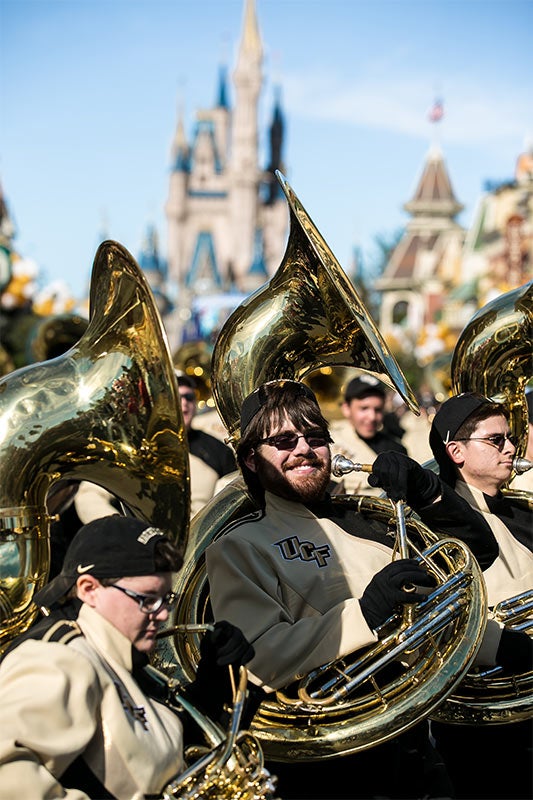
105	637
275	503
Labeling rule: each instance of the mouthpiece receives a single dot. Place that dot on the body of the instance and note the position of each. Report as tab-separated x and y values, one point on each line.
521	465
192	628
340	465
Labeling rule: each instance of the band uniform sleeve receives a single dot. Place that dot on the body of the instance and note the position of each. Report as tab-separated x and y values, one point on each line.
92	502
49	697
289	636
452	516
203	482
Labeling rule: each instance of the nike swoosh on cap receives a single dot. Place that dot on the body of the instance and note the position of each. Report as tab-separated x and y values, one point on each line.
81	569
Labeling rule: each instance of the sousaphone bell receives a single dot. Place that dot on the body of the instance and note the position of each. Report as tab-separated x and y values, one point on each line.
105	411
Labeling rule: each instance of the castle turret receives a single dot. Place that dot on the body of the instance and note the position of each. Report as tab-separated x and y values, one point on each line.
274	214
227	218
244	181
175	207
427	259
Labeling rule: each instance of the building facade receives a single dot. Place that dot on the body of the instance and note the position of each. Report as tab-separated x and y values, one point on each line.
227	218
427	260
440	274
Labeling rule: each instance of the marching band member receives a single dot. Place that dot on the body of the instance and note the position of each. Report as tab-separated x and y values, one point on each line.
81	718
361	435
308	583
474	449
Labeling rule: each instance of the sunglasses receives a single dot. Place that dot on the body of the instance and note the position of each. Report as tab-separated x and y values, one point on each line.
288	441
188	396
148	604
497	440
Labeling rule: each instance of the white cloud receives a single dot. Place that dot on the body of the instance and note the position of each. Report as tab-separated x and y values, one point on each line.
473	113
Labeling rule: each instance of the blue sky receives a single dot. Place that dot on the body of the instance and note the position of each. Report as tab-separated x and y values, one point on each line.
90	91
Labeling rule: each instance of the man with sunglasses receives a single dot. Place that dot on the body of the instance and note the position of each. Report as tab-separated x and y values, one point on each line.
471	440
81	717
309	581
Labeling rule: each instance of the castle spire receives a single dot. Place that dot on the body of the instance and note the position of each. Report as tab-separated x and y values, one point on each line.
434	194
248	79
276	148
222	97
179	151
251	45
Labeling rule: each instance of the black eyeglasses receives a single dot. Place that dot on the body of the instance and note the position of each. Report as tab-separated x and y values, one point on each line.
189	396
497	440
288	441
148	604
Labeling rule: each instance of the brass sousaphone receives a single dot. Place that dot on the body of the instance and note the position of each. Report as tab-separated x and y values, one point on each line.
494	356
308	316
105	411
108	411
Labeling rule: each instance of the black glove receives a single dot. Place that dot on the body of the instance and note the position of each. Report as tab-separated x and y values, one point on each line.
226	645
515	651
211	689
403	478
385	590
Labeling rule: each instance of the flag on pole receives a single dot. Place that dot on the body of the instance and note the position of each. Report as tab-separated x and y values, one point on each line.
436	112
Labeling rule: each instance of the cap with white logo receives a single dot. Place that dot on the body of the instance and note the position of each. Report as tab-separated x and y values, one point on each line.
364	386
110	547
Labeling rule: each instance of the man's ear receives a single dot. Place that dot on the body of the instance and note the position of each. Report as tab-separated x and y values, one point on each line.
86	586
345	408
455	453
250	461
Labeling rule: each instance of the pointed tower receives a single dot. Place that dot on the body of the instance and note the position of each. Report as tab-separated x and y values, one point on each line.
175	208
433	204
426	262
154	268
274	213
227	221
245	176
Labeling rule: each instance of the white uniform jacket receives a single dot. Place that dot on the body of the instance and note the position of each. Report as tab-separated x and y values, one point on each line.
512	572
291	582
347	443
59	701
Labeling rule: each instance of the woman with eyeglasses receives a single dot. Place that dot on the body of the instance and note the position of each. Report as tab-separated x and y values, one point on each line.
309	581
80	716
471	440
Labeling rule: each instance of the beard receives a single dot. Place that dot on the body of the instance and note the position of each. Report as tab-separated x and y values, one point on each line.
285	483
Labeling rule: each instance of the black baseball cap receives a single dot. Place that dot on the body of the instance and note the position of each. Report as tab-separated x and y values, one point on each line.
447	421
109	547
363	386
257	399
185	380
